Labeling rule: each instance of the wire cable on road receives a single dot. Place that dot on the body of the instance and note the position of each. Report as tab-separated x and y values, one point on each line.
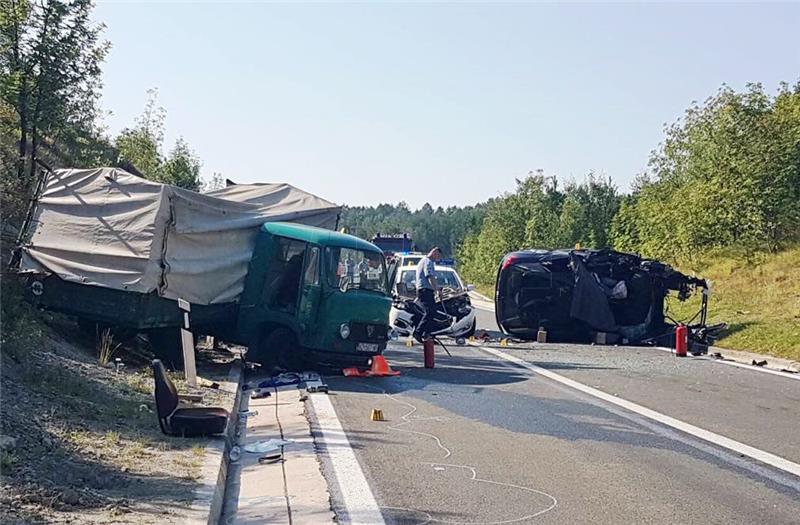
283	461
407	419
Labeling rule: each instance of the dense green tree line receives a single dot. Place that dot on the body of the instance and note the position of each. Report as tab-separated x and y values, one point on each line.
443	227
726	176
51	57
540	215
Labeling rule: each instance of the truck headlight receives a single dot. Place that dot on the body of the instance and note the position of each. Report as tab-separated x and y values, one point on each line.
344	330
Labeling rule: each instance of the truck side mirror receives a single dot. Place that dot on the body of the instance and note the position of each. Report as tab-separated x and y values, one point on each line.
470	287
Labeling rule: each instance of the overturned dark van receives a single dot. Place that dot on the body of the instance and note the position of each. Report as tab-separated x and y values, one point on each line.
578	295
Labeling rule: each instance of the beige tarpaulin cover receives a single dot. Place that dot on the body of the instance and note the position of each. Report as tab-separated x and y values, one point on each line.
106	227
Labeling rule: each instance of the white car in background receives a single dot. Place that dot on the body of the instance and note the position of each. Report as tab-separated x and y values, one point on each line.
408	259
456	297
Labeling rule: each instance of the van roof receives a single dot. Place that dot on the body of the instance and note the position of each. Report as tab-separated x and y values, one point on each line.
319	236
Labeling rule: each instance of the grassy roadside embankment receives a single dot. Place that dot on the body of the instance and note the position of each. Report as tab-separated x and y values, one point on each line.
80	441
759	299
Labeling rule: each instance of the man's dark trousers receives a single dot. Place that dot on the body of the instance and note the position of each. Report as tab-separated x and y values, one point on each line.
426	297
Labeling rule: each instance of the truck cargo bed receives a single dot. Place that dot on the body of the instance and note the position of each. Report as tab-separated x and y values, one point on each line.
120	308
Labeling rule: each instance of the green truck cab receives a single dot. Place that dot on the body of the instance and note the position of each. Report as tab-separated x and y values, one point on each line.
315	289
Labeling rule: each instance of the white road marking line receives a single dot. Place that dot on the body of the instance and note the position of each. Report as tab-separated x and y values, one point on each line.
744	366
728	362
752	368
480	305
359	502
716	439
406	419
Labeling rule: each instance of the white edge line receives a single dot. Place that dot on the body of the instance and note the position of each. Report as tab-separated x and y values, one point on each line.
722	441
752	368
357	497
728	362
480	305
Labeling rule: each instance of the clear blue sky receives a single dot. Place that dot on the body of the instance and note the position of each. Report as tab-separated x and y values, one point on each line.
445	103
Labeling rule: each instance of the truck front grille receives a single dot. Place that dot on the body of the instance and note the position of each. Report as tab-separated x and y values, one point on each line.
368	332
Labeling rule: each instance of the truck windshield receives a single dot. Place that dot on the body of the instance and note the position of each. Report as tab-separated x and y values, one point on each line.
349	269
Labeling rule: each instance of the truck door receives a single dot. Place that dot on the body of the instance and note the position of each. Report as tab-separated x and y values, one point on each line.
310	291
282	286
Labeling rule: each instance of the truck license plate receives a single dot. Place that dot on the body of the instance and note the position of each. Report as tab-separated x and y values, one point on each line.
367	347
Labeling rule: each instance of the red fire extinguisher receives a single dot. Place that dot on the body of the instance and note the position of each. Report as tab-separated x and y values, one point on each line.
427	352
681	340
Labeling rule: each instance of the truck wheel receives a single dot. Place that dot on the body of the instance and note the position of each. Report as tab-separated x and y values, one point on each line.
166	345
281	345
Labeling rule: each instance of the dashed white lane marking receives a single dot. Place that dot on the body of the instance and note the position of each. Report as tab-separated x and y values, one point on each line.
357	497
740	448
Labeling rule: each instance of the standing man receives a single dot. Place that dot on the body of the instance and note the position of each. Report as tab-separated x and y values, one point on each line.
427	289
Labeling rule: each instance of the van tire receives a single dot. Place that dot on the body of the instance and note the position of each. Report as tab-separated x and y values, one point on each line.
280	346
166	345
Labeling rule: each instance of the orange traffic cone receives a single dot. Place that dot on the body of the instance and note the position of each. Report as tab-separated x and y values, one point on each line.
381	368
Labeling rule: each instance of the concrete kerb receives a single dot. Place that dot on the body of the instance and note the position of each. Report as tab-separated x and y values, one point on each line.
289	491
208	496
747	358
774	365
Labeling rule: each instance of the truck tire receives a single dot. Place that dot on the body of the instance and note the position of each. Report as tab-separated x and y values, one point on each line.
279	346
166	345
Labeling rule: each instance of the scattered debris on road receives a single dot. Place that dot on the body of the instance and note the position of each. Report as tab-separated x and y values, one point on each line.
262	447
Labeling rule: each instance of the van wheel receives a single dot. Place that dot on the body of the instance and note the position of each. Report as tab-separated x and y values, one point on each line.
280	345
166	345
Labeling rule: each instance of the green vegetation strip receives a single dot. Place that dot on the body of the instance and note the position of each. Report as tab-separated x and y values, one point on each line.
758	298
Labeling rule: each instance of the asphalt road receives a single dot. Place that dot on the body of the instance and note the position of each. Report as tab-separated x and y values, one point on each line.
481	440
486	321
